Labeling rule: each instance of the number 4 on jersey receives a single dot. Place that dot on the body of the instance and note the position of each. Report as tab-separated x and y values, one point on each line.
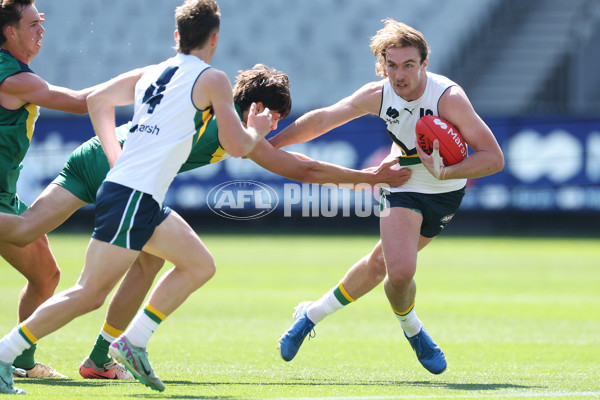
153	94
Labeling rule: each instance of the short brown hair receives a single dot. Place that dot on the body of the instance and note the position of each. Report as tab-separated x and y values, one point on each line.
196	20
267	85
11	12
396	34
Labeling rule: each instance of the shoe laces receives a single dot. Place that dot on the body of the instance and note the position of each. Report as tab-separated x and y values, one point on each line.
44	367
305	330
422	348
113	364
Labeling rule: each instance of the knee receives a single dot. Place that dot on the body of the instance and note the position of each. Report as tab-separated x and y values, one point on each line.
377	266
204	272
46	274
148	264
53	278
90	300
400	275
46	278
92	304
209	270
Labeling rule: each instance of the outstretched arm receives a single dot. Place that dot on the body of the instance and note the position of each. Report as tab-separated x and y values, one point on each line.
24	88
118	91
365	100
304	169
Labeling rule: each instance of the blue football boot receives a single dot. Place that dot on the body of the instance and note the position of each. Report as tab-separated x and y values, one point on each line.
429	354
290	341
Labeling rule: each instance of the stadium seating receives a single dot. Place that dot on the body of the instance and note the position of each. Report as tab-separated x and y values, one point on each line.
324	45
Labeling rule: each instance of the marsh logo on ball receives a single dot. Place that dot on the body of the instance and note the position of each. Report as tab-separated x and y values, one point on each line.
242	200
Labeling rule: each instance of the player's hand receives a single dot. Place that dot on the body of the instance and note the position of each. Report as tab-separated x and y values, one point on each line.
433	163
394	177
260	121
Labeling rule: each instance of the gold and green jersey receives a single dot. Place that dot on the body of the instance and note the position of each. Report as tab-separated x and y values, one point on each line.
16	128
87	166
206	148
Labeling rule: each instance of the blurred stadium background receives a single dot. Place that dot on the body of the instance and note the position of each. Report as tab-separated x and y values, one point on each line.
529	67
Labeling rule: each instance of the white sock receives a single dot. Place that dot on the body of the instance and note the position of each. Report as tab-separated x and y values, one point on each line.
12	345
326	305
141	329
107	337
410	323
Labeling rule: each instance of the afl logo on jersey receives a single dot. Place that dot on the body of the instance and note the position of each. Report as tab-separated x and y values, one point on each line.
446	219
242	200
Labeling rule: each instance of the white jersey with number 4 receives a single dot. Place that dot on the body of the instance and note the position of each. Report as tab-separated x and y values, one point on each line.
164	123
401	118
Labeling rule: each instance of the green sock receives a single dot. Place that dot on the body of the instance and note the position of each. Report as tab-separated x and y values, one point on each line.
99	354
26	359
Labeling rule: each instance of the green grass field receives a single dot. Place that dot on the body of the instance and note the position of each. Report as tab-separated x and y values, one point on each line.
516	318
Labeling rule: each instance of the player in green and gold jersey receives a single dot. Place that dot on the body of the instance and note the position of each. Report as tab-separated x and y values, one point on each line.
22	93
87	167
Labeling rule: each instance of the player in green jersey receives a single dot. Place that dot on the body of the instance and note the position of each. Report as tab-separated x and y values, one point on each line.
22	93
87	166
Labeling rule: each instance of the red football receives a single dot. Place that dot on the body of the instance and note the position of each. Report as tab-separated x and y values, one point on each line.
453	148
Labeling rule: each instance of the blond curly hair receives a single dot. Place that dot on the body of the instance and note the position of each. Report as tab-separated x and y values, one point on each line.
396	34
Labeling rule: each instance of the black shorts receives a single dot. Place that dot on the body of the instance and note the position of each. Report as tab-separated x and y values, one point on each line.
126	217
437	209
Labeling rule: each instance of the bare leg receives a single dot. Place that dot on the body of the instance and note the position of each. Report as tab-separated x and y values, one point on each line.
369	271
360	279
175	241
51	209
105	264
365	274
37	264
133	289
123	307
34	259
400	240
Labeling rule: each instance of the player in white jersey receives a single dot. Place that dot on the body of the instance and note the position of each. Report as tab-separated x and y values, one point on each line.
401	117
163	126
170	99
419	209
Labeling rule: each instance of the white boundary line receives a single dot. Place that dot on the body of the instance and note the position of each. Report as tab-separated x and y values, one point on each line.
514	395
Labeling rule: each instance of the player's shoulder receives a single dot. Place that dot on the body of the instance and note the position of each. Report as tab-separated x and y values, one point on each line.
454	97
21	82
440	79
368	97
213	78
374	88
212	85
15	70
8	61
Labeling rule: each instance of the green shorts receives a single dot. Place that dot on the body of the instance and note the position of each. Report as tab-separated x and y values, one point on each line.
86	168
10	203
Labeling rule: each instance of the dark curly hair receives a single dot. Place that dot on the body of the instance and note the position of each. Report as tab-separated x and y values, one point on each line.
264	84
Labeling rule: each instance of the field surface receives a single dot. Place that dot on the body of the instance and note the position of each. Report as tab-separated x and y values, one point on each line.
517	319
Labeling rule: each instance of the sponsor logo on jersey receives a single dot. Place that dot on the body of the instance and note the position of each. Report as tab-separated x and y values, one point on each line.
151	129
392	113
